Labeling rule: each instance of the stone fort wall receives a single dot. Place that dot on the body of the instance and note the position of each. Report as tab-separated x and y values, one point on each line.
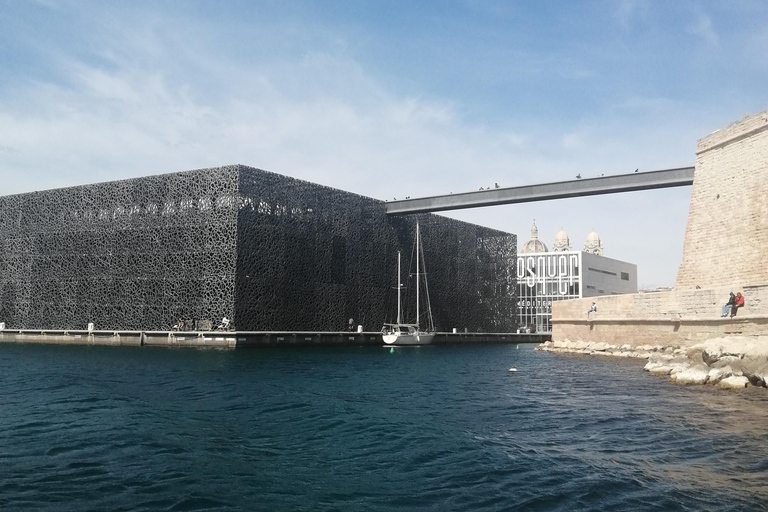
678	317
725	241
727	232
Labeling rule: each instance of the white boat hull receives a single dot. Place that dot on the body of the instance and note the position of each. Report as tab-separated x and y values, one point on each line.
422	338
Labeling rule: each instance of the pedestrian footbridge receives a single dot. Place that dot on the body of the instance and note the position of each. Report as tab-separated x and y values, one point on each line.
679	177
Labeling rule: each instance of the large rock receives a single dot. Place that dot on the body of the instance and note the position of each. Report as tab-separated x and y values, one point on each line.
696	357
710	355
738	346
755	368
726	361
666	358
718	374
734	382
698	374
661	370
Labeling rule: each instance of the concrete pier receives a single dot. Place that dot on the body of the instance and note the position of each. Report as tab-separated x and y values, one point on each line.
242	339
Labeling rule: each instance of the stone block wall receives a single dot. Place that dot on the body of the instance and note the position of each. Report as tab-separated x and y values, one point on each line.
678	317
727	232
724	251
687	304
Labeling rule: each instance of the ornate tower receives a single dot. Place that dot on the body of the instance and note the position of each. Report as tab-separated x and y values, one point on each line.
593	244
534	244
562	242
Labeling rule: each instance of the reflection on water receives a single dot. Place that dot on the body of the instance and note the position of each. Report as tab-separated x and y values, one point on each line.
429	428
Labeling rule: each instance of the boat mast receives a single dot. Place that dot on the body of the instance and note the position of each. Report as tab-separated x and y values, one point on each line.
399	287
417	276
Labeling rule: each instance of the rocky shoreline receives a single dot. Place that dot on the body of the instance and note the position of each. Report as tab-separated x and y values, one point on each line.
732	362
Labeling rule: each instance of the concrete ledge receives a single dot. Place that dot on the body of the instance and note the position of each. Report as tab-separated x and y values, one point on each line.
657	331
241	339
663	320
62	337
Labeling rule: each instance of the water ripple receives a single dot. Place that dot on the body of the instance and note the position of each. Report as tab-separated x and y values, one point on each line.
433	428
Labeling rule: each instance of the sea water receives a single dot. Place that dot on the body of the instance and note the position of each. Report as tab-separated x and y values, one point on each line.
368	428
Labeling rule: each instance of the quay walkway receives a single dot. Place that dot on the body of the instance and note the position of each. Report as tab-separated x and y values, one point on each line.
243	339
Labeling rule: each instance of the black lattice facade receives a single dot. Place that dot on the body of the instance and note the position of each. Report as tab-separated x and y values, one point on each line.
271	252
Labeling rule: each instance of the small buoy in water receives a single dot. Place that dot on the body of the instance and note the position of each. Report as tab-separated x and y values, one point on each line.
513	369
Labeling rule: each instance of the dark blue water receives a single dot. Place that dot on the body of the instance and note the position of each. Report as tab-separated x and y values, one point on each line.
430	428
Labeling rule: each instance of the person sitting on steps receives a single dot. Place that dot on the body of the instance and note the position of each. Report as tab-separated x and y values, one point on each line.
739	302
728	305
593	309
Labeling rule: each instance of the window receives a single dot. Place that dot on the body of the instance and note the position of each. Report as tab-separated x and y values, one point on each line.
608	272
625	276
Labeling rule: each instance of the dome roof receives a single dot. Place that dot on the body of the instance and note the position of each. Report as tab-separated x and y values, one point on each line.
593	244
534	244
562	242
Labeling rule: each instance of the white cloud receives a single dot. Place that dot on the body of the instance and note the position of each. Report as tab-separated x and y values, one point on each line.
160	98
626	11
703	28
572	140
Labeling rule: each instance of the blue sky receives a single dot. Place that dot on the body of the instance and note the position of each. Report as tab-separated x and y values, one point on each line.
389	98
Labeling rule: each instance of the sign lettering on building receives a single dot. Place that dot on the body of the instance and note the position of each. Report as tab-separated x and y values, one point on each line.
543	268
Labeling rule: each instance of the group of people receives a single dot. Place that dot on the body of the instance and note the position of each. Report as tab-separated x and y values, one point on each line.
733	304
181	325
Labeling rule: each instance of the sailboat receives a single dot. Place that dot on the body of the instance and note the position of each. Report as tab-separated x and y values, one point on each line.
410	334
